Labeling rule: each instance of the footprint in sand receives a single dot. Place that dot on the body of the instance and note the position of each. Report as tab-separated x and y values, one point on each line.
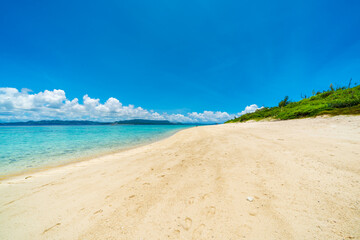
205	196
211	211
187	224
138	209
191	201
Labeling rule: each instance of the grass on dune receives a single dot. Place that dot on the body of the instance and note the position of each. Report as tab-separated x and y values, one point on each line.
332	102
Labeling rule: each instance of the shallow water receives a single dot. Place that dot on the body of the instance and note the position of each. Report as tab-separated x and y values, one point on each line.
33	147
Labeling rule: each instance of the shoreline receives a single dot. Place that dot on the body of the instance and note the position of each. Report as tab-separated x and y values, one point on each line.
295	179
90	157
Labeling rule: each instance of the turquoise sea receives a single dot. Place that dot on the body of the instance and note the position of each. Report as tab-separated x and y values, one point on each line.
34	147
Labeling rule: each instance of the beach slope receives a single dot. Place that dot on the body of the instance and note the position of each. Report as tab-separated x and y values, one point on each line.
296	179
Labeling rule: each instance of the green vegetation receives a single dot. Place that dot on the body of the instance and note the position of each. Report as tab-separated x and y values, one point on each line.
284	102
331	102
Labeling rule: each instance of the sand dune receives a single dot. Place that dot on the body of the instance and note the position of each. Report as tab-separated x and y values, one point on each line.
303	177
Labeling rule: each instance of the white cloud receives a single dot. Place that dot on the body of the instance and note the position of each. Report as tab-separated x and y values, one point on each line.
249	109
21	105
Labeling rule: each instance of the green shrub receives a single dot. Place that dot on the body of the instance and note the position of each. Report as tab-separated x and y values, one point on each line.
332	102
284	102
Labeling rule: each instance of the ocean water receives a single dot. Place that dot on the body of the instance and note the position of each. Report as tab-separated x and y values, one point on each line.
36	147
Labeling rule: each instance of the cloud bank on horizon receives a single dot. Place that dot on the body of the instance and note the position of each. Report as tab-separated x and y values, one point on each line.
22	105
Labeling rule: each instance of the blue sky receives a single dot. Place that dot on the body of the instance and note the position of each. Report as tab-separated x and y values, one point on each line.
180	56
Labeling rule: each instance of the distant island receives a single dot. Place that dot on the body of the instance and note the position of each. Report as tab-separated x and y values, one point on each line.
145	122
76	122
339	101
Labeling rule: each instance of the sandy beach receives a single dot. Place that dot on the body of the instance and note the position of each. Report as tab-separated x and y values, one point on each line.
296	179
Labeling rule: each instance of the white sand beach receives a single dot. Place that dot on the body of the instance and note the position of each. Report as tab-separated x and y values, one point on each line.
296	179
